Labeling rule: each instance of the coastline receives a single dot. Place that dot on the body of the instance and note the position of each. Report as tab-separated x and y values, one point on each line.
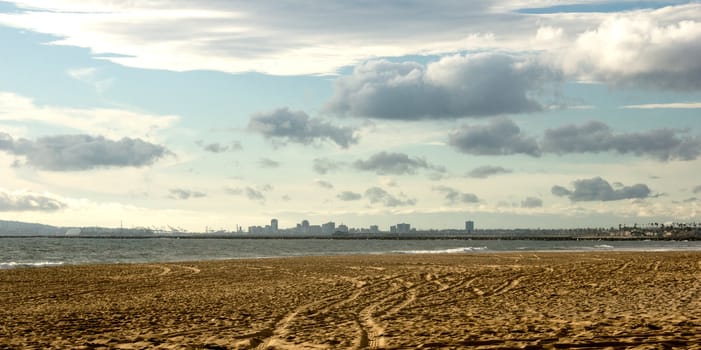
486	300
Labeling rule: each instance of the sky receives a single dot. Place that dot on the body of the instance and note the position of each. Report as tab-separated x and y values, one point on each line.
209	114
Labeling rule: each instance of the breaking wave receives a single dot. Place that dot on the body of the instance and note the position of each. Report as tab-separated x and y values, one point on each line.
442	251
15	265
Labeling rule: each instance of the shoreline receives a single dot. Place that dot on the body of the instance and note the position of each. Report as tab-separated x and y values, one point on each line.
485	300
372	237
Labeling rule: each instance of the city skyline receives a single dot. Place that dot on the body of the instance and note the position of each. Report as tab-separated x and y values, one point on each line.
204	113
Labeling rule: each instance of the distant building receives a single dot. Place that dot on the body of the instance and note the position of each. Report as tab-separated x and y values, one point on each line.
374	229
274	225
470	226
342	228
403	228
328	228
303	227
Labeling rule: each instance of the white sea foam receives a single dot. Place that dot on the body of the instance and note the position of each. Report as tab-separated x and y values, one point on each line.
442	251
603	246
14	264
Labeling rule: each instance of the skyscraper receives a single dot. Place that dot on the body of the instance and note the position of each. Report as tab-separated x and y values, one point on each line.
273	225
469	226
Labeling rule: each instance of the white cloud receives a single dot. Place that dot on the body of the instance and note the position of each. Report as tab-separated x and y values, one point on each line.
27	201
113	123
658	48
677	105
91	76
276	37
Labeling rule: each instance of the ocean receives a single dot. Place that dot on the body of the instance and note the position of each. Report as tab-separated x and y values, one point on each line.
57	251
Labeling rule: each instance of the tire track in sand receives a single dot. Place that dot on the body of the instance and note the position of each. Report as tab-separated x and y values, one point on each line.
282	325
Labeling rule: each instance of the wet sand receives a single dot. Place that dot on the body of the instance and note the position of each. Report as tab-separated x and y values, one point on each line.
499	301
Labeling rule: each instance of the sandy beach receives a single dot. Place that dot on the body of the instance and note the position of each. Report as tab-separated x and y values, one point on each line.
482	301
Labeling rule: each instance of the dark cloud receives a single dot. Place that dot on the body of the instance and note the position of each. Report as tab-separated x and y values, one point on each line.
531	202
268	163
325	165
487	171
697	189
349	196
598	189
503	137
324	184
500	136
454	196
249	192
596	137
560	191
179	193
29	202
378	195
483	84
385	163
82	152
283	125
217	147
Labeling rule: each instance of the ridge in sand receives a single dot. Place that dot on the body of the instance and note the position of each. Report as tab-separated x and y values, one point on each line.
527	301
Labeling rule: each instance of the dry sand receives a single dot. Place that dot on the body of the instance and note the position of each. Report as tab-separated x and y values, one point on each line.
501	301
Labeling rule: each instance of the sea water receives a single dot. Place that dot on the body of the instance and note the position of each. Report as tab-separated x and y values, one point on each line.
56	251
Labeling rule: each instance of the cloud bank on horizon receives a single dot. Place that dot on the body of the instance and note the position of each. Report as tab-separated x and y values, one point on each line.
429	112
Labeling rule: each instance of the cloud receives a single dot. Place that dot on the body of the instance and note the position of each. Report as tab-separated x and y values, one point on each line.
27	201
82	152
500	136
325	165
531	202
388	163
598	189
678	105
283	125
112	123
268	163
349	196
324	184
378	195
179	193
249	192
454	196
475	85
269	37
596	137
487	171
216	147
92	77
657	48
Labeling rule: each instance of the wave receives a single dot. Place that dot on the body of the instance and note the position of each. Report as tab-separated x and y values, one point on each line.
441	251
15	265
603	246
